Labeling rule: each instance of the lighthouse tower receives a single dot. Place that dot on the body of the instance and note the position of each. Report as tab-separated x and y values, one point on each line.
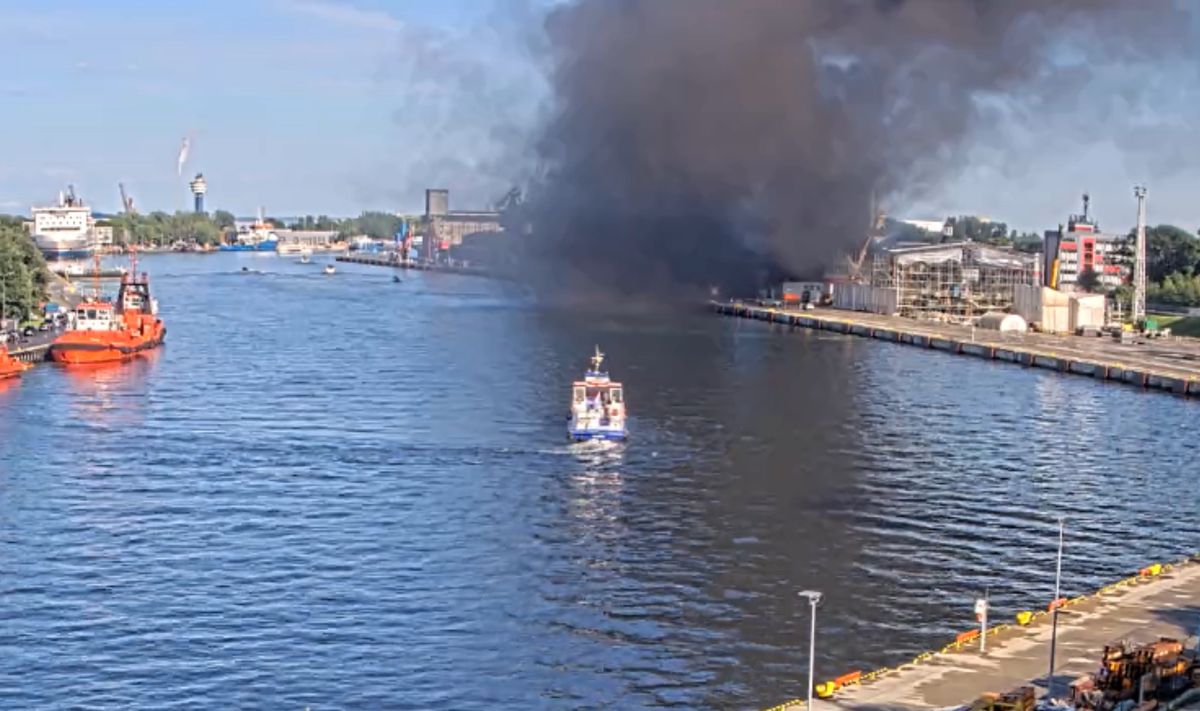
199	187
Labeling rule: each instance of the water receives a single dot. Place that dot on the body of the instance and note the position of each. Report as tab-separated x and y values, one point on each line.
343	492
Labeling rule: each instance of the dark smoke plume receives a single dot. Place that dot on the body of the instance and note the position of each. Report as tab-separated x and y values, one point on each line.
721	142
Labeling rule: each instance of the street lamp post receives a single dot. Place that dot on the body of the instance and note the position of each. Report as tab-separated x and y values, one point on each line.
814	599
1054	614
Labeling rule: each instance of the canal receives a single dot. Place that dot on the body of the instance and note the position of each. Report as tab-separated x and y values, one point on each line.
344	492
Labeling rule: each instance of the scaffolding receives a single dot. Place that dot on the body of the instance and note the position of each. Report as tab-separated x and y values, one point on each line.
952	282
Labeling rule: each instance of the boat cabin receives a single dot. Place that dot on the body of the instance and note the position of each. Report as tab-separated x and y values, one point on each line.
135	294
602	394
94	316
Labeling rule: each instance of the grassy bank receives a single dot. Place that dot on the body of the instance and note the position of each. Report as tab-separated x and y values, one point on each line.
1179	325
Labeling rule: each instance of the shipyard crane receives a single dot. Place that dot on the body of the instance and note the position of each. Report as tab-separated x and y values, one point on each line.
126	201
512	198
878	222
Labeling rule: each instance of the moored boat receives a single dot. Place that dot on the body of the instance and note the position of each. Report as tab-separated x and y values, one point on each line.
10	367
597	405
102	331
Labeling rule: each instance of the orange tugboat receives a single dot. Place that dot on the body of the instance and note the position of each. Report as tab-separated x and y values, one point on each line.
102	331
11	367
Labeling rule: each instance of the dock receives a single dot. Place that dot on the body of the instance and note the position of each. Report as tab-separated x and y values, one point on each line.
31	353
1160	601
386	260
1164	364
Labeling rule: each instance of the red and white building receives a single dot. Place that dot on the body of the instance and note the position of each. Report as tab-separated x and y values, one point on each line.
1080	247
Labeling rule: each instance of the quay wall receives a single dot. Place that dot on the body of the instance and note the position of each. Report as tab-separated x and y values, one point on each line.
901	330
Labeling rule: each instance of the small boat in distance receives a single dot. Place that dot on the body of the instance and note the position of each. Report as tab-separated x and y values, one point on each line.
305	257
10	367
329	269
597	405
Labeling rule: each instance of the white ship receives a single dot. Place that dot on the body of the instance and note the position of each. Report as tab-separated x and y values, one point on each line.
597	405
65	230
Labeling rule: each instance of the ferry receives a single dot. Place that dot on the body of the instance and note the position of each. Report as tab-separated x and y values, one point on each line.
101	331
64	231
597	405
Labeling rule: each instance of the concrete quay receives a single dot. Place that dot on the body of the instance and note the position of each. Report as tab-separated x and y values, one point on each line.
382	260
1171	365
1139	609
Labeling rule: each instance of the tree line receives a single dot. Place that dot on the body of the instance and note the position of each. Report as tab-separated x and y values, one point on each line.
1172	266
24	277
161	229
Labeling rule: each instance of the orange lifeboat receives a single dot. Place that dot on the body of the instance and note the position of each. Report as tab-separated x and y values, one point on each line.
103	332
11	367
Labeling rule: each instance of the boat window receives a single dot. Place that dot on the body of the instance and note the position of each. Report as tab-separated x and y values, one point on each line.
91	313
579	394
616	395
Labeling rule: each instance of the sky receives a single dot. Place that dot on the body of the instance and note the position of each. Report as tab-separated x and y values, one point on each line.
340	106
299	106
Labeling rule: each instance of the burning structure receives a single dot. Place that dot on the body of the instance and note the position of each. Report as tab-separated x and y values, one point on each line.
941	281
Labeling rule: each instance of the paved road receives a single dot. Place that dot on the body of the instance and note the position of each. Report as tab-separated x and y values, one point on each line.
1177	357
1167	606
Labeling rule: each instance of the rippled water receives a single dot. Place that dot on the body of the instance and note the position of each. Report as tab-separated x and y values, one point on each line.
343	492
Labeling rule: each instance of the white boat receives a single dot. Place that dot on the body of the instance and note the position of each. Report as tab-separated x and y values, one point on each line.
597	405
305	256
329	269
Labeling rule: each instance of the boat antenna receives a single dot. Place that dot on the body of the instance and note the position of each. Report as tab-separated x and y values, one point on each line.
96	273
597	360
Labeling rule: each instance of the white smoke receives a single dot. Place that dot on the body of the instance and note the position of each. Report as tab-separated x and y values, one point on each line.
183	156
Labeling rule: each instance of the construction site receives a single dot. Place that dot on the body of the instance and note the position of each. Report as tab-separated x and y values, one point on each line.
962	281
951	281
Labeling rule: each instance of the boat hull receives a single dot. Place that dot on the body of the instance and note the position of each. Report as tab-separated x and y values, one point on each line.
83	348
588	434
259	247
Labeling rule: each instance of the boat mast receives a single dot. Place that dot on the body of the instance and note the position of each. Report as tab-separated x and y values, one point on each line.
95	273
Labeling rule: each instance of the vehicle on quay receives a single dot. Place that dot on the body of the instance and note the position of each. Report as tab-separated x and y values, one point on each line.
597	405
102	331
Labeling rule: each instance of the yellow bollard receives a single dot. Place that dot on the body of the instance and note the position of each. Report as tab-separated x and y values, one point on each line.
825	689
1024	617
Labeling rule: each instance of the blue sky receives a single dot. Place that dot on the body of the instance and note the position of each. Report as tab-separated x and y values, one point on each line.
336	106
296	105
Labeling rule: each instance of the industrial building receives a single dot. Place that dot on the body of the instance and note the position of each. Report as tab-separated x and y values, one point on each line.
445	228
942	281
1080	247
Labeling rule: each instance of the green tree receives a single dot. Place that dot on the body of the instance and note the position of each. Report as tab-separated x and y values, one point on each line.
223	219
1170	249
23	272
1088	280
378	225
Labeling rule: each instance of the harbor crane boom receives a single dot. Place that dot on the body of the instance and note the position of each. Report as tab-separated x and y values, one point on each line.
126	201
